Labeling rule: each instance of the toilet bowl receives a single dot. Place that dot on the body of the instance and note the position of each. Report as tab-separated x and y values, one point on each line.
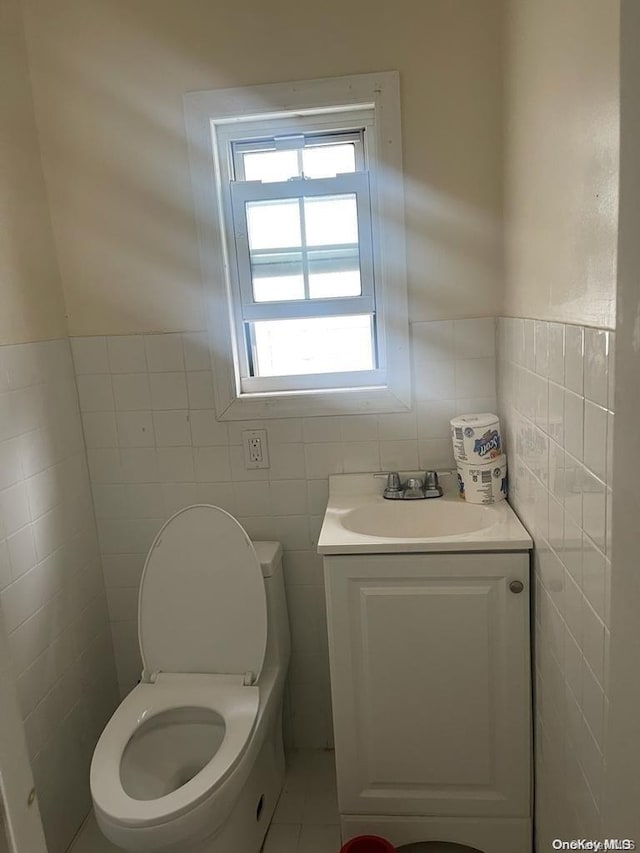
192	759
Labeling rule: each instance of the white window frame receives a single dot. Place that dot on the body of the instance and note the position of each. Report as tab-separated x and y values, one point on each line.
211	117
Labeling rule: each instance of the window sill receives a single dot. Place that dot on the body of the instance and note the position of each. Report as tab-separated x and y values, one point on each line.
345	401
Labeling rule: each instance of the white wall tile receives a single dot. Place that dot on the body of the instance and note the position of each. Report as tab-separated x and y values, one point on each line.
323	459
168	391
95	393
175	465
435	453
435	380
358	428
135	429
90	355
475	377
200	389
432	342
399	455
360	456
556	352
284	430
433	418
324	429
138	465
126	354
212	464
397	427
131	392
99	429
474	338
50	581
164	352
206	430
5	565
252	498
172	429
541	342
595	439
529	345
572	609
574	359
596	366
196	351
574	424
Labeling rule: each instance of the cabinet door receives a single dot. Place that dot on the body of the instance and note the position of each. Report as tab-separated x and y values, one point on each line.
430	681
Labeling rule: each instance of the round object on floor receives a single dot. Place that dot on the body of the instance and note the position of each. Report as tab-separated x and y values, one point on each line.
368	844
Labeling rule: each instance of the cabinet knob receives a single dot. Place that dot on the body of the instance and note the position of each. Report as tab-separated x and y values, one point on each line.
516	586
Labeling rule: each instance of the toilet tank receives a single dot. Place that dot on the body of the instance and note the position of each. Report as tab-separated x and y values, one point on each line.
278	637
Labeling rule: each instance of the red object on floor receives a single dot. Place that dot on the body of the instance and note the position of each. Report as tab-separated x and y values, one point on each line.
368	844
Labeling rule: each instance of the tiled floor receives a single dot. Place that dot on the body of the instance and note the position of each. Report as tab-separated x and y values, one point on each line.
305	820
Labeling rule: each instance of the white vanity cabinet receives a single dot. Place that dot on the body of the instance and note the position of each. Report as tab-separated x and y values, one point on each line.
430	675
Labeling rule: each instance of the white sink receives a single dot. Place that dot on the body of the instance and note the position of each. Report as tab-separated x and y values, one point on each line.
359	520
417	519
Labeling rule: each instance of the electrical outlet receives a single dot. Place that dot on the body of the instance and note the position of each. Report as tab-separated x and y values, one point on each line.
256	452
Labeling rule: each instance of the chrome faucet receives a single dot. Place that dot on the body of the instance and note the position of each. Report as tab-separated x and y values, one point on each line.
394	490
414	489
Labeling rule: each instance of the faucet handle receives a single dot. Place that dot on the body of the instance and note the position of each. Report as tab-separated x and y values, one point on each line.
393	491
431	480
432	487
393	481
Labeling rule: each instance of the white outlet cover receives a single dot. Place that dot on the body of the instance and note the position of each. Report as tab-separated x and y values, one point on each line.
249	436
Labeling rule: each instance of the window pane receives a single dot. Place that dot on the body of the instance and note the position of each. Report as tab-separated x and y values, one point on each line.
331	219
334	284
313	345
269	166
277	275
273	224
326	161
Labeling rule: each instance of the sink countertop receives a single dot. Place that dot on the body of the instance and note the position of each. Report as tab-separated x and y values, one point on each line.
356	506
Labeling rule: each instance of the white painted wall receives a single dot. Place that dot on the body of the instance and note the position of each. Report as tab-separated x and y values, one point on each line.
622	818
30	287
561	160
108	81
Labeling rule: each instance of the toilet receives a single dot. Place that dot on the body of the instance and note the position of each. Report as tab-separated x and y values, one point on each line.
192	760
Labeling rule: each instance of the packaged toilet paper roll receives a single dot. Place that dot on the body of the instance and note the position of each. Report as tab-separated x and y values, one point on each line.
476	438
483	484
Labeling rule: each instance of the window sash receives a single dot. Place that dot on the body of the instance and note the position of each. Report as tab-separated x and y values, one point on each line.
354	183
293	141
311	382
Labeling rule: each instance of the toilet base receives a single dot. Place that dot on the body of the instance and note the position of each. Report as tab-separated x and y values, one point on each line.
245	828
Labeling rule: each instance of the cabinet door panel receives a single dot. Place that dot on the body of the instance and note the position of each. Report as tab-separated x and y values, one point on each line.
430	680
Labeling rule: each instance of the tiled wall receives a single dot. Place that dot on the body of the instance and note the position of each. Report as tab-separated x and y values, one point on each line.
155	446
555	391
51	585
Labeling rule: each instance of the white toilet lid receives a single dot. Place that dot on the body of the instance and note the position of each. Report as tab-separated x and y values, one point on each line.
202	605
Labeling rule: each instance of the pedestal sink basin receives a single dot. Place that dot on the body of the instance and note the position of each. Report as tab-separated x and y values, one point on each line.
359	520
417	519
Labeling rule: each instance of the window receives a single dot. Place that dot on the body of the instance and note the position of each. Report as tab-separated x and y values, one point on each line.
298	192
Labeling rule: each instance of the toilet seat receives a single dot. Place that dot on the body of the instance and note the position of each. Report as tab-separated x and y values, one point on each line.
236	703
